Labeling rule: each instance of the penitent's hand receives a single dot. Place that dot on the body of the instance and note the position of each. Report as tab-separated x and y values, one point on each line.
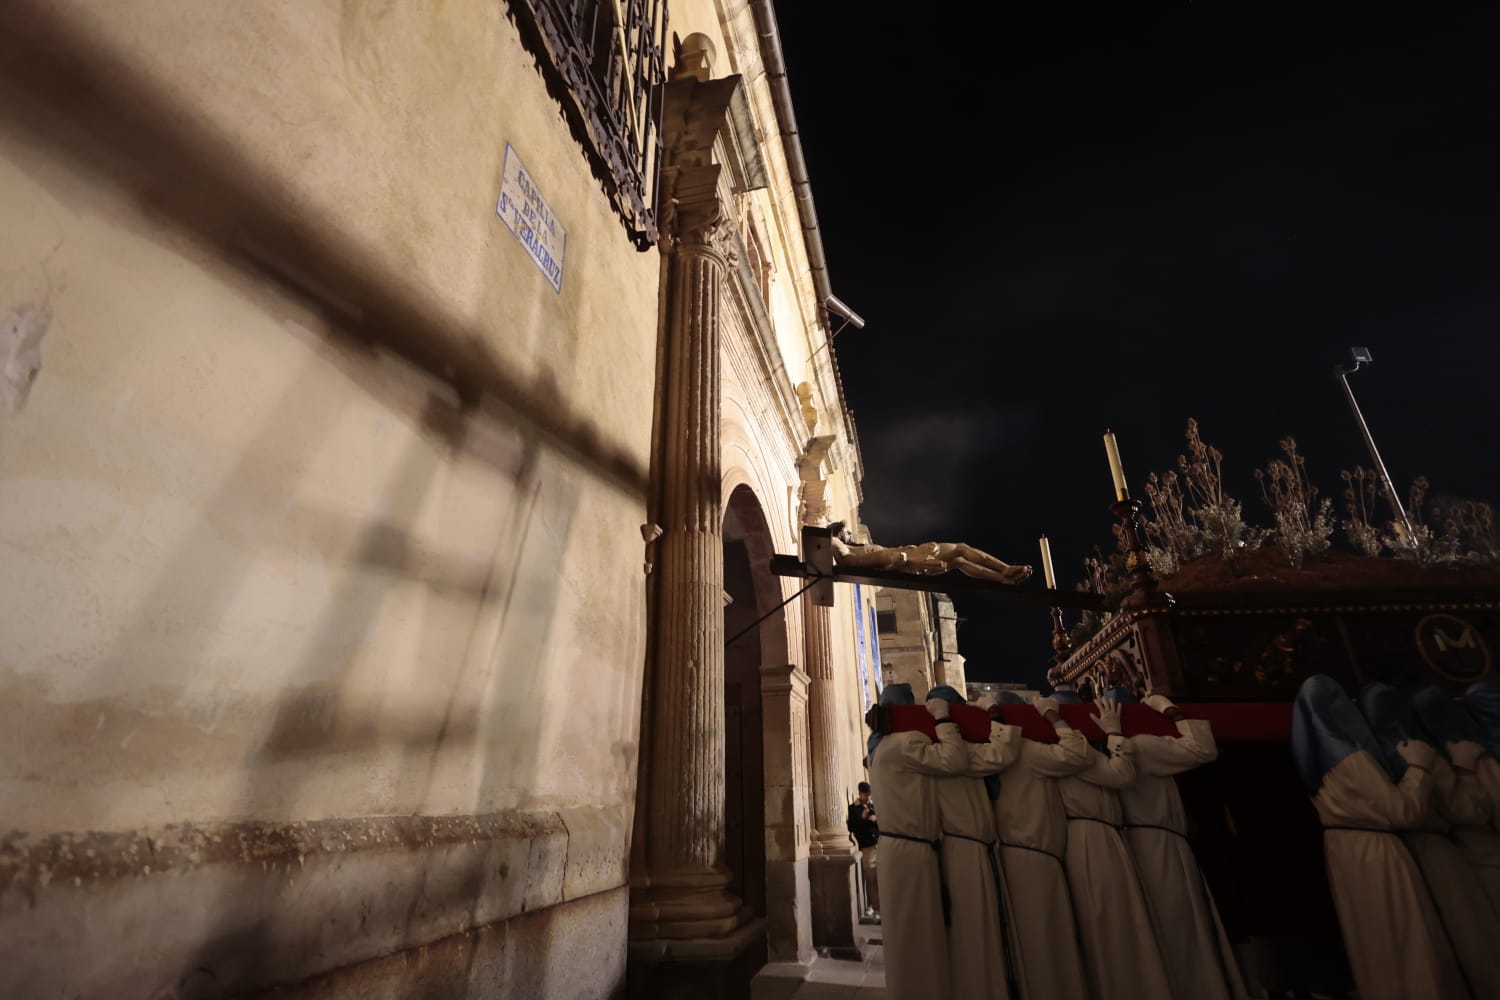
1047	707
1465	754
938	707
1160	702
1109	715
1416	753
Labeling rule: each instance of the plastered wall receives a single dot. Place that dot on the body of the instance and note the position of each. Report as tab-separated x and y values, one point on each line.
259	570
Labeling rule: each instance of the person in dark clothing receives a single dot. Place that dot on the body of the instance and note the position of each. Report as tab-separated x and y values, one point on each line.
866	829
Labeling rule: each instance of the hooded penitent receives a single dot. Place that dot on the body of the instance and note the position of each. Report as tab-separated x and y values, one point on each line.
1392	719
1443	720
1120	954
952	697
1199	960
893	694
1396	943
1326	728
977	940
1482	702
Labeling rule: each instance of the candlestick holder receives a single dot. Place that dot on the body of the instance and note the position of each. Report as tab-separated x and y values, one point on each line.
1145	590
1062	646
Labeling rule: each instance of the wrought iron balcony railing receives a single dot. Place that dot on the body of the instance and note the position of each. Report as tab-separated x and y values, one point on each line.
605	62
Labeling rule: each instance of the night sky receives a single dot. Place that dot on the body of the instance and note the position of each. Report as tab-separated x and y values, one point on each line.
1054	228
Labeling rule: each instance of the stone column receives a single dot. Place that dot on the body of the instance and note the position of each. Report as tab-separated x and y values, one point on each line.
683	893
687	895
833	854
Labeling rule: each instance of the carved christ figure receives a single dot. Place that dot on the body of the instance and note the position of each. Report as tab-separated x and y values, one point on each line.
925	559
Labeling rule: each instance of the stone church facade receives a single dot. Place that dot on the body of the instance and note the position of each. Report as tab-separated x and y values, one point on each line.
404	402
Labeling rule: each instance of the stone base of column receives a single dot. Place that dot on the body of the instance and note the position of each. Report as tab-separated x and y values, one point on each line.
788	912
834	904
685	907
701	969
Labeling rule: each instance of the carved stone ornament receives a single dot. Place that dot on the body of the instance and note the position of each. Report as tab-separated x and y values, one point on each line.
809	411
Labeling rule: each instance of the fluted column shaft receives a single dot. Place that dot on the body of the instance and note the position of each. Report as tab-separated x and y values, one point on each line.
686	892
831	833
688	744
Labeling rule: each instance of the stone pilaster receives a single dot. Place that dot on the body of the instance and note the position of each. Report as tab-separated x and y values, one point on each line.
830	869
830	830
783	696
831	866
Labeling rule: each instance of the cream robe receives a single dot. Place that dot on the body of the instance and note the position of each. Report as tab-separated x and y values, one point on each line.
1488	773
1120	956
1200	964
976	943
915	939
1392	933
1033	837
1478	833
1472	925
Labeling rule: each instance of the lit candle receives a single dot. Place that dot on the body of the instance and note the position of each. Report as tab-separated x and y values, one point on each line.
1047	564
1115	468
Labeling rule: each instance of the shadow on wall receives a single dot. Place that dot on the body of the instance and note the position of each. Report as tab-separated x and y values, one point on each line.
389	746
65	94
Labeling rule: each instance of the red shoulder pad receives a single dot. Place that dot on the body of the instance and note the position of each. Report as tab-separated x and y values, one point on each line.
1143	720
1033	727
973	722
1083	719
913	719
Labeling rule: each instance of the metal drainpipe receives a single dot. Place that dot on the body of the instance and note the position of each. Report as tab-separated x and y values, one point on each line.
781	97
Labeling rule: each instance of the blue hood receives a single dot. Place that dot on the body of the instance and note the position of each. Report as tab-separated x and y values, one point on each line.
1009	698
891	694
1121	695
1067	697
1392	719
1326	728
1443	720
947	693
1482	702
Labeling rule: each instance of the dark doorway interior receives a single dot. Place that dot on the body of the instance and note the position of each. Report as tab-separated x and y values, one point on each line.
744	784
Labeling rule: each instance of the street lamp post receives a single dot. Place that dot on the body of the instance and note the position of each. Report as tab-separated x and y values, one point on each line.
1361	357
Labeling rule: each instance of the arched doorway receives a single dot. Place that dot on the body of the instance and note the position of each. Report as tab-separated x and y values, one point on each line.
750	745
744	735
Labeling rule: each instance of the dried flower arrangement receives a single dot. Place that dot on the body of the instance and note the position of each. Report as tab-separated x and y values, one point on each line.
1191	516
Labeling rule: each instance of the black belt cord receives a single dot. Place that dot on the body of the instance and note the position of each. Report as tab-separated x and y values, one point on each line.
1067	877
1156	826
936	845
1007	941
1036	850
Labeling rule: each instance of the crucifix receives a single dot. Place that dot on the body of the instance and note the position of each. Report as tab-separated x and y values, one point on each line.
941	567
